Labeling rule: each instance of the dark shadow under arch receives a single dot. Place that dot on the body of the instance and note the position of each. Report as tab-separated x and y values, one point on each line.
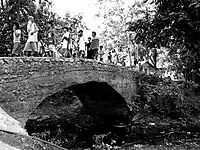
79	111
100	99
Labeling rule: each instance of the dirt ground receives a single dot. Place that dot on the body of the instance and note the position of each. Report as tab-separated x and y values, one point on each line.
9	141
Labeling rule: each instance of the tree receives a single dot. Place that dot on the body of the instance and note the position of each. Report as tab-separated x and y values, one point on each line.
116	18
175	25
44	14
9	11
115	15
17	11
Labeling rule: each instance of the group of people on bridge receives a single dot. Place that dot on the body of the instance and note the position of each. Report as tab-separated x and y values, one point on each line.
68	47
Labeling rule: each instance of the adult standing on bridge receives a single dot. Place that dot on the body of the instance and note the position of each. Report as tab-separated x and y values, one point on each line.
89	54
16	40
51	40
81	45
32	30
94	47
65	42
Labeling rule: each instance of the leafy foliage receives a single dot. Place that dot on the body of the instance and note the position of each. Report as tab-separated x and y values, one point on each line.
114	20
168	98
115	14
173	24
101	145
18	11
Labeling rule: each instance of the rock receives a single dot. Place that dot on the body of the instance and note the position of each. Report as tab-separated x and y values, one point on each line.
7	123
10	141
4	146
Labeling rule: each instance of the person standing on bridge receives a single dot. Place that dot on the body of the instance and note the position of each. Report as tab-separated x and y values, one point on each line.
32	30
82	45
51	40
101	53
89	53
65	42
16	40
94	47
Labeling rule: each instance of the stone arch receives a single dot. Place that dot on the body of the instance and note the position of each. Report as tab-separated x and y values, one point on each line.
25	82
96	107
90	91
72	77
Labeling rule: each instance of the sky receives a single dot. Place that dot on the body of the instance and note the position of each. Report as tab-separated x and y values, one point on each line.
86	7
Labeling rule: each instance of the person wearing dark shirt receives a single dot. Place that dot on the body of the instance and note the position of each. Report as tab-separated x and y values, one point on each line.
101	53
109	57
51	39
41	47
94	47
89	53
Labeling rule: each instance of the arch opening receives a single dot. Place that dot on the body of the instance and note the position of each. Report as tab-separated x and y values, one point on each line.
72	116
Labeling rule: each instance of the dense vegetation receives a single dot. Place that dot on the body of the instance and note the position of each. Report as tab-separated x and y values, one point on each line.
175	25
164	113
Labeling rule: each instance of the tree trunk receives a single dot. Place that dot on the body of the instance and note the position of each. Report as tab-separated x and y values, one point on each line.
2	5
18	11
155	55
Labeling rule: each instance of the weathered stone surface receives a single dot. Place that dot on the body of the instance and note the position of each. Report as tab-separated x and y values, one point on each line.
7	123
26	82
4	146
81	110
14	137
22	142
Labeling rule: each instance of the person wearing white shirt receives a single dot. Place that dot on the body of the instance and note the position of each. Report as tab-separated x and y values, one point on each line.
32	30
82	45
65	43
16	40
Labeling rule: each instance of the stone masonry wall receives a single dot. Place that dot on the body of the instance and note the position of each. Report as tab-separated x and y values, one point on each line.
25	82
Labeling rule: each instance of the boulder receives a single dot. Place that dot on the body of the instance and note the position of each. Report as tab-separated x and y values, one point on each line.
9	124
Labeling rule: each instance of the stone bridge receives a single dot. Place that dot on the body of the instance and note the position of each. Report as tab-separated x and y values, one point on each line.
25	82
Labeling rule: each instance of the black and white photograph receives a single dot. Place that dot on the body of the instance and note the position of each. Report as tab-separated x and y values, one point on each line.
99	74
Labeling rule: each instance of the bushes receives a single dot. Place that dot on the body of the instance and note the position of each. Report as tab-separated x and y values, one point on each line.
158	102
167	98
